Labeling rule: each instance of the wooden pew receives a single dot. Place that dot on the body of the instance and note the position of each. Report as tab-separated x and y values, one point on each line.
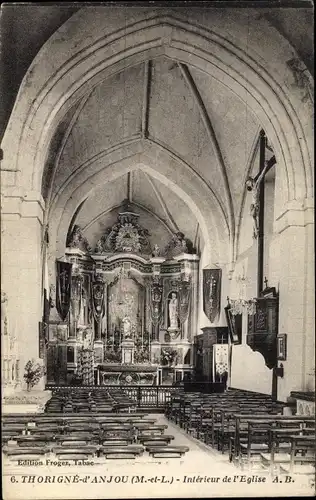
284	445
167	451
251	434
121	452
152	440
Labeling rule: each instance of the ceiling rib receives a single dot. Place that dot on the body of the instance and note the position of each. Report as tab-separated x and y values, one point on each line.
146	97
196	235
130	186
162	203
212	136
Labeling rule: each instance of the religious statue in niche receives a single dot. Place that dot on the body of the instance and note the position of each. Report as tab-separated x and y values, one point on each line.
173	311
127	328
77	240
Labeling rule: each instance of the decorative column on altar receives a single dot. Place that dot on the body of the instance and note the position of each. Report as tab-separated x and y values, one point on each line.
98	290
187	313
156	290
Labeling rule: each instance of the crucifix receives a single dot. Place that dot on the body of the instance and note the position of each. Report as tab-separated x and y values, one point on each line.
256	186
253	184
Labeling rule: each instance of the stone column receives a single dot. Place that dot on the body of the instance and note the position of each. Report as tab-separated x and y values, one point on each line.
22	216
294	263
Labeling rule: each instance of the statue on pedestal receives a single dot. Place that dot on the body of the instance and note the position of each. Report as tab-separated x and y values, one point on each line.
127	328
173	312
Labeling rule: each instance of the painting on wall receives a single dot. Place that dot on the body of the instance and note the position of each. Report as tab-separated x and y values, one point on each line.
281	347
234	324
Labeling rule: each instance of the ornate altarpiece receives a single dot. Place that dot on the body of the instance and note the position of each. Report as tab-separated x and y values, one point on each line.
139	304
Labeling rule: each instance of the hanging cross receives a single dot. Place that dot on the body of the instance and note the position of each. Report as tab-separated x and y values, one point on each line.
265	282
222	339
253	184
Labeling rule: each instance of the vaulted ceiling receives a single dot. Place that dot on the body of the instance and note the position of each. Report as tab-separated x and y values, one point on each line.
167	135
186	112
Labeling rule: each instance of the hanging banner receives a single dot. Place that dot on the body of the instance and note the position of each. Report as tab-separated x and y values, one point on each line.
76	295
63	288
184	300
97	289
212	279
156	296
220	362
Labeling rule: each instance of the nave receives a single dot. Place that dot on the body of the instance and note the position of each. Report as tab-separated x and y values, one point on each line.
157	230
201	438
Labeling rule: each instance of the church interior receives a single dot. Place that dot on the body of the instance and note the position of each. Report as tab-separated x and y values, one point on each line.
157	206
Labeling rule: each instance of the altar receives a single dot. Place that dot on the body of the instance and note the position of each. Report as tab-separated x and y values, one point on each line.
120	374
131	308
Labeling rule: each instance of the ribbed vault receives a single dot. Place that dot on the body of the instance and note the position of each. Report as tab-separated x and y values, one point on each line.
164	109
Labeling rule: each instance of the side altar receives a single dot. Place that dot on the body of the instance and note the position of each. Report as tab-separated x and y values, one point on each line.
127	310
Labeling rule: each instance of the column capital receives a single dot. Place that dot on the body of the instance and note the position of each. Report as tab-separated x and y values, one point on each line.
297	213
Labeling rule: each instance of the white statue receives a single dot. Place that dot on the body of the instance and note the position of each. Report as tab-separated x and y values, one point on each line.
126	327
173	311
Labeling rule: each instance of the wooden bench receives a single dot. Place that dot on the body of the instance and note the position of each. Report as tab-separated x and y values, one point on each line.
167	451
36	438
27	453
151	429
119	452
162	438
74	450
117	442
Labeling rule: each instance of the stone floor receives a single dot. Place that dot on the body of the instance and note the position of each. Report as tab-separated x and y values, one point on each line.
202	472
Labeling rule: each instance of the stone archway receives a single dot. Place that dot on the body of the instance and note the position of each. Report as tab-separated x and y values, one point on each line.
73	70
200	47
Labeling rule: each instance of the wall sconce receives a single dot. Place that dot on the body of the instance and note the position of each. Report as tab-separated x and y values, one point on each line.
280	371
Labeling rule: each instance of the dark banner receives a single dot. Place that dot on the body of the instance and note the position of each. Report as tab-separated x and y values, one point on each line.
97	289
184	300
212	279
63	288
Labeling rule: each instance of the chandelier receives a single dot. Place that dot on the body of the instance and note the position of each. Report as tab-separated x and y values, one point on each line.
240	304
